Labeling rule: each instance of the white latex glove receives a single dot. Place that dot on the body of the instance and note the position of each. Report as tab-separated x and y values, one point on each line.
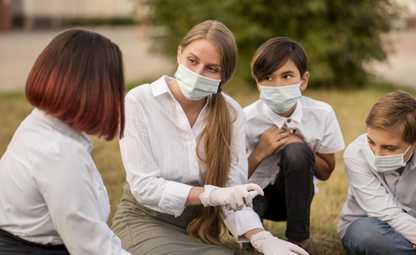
267	244
232	198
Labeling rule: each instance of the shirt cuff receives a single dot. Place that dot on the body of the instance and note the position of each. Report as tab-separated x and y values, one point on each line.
240	222
173	200
330	150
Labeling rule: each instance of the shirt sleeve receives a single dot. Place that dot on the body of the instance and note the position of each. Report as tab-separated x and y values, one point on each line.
143	173
240	222
74	200
376	200
332	140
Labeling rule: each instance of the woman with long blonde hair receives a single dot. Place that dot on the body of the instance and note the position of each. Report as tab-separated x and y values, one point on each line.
185	159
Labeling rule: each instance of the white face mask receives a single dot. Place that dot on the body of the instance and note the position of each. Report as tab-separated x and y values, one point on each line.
280	99
194	86
385	163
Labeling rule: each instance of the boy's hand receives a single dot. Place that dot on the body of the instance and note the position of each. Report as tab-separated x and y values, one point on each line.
293	138
272	140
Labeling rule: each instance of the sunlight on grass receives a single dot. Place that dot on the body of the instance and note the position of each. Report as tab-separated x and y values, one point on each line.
351	107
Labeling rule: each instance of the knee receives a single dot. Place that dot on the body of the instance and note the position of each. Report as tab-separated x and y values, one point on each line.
217	251
365	235
298	156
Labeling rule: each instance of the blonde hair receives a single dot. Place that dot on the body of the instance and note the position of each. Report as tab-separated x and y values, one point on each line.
208	224
395	109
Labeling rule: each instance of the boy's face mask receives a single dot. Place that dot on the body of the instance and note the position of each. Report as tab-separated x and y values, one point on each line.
386	163
195	86
280	99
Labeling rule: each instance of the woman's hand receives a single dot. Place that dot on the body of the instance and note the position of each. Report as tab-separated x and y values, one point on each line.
232	198
267	244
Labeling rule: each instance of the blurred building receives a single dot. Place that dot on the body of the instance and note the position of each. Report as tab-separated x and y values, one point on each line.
51	13
409	12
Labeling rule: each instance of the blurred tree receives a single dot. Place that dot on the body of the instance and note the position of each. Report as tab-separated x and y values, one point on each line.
340	36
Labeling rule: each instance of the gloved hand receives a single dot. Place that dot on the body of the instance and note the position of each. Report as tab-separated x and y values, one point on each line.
266	243
232	198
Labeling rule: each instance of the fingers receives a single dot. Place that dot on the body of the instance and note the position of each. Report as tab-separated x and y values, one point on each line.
239	202
272	130
251	195
297	249
280	142
282	135
242	196
252	190
248	201
255	187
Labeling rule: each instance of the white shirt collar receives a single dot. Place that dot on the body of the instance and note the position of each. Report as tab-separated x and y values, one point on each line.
412	162
278	120
63	127
160	86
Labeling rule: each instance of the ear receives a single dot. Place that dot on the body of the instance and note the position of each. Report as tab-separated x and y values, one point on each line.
305	81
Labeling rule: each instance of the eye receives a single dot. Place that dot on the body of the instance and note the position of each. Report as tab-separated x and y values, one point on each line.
213	69
191	60
287	76
391	148
268	78
370	142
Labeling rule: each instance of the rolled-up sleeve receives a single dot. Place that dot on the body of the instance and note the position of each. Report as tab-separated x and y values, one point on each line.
240	222
143	173
374	198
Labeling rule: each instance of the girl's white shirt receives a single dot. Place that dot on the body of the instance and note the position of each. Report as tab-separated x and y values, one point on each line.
51	191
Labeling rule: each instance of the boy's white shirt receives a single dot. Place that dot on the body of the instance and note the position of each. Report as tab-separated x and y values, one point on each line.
386	196
314	120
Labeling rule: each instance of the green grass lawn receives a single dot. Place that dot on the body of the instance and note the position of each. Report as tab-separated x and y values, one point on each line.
351	107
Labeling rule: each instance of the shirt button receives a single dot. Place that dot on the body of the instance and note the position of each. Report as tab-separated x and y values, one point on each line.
289	120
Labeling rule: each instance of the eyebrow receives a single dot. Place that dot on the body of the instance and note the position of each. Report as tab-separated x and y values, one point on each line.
383	145
210	65
287	72
193	55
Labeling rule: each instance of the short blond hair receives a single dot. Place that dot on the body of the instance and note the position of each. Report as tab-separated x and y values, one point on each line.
395	109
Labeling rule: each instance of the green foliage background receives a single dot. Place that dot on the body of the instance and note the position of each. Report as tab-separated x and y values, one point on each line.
338	35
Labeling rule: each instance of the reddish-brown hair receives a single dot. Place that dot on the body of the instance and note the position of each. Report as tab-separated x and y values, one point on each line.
78	78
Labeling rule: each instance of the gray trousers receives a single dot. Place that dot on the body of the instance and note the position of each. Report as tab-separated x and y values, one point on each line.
143	231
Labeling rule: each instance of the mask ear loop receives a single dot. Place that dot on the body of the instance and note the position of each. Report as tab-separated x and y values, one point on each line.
405	152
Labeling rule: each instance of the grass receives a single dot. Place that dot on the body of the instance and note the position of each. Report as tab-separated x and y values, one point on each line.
351	107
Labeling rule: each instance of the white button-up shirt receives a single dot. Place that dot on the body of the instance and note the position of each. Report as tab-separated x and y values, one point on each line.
159	153
314	120
51	191
389	196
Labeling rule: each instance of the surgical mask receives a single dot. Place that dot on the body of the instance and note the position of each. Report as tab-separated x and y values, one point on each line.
385	163
280	99
194	86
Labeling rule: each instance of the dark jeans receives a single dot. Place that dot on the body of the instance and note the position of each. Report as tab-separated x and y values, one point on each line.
370	236
10	244
289	198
